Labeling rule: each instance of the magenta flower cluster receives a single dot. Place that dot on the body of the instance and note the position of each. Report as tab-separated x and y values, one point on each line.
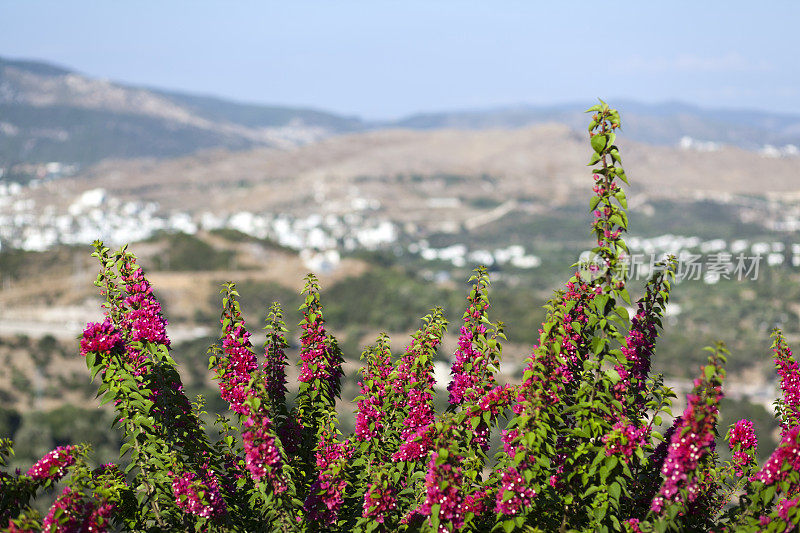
784	460
476	501
100	338
200	497
379	501
420	413
375	389
601	222
369	420
784	507
638	351
443	487
471	375
624	439
627	434
690	442
633	524
416	382
742	438
463	381
262	456
789	373
494	402
142	320
132	322
237	366
73	512
572	341
317	361
497	399
326	494
514	493
53	466
417	446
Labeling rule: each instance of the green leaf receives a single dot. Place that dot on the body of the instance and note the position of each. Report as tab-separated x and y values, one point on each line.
769	493
599	142
623	293
617	219
621	198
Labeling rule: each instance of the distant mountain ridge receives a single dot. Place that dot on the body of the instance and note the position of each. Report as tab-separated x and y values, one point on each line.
664	123
51	113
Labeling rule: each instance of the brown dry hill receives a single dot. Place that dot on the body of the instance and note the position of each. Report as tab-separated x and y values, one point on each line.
405	169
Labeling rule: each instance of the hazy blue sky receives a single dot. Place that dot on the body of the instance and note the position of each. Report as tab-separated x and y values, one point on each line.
382	59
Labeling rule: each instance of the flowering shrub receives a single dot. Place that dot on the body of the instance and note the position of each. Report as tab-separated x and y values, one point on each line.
53	465
581	442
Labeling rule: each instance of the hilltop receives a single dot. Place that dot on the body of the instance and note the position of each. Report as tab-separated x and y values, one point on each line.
50	113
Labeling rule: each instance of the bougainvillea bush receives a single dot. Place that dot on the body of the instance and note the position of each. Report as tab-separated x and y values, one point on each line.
582	447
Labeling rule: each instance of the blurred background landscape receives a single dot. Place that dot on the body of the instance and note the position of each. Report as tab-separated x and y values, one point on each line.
390	206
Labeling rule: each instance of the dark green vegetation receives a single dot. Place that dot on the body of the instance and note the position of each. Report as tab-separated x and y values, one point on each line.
188	253
38	432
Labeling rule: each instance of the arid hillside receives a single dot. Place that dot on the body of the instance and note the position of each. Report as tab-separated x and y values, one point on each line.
410	173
